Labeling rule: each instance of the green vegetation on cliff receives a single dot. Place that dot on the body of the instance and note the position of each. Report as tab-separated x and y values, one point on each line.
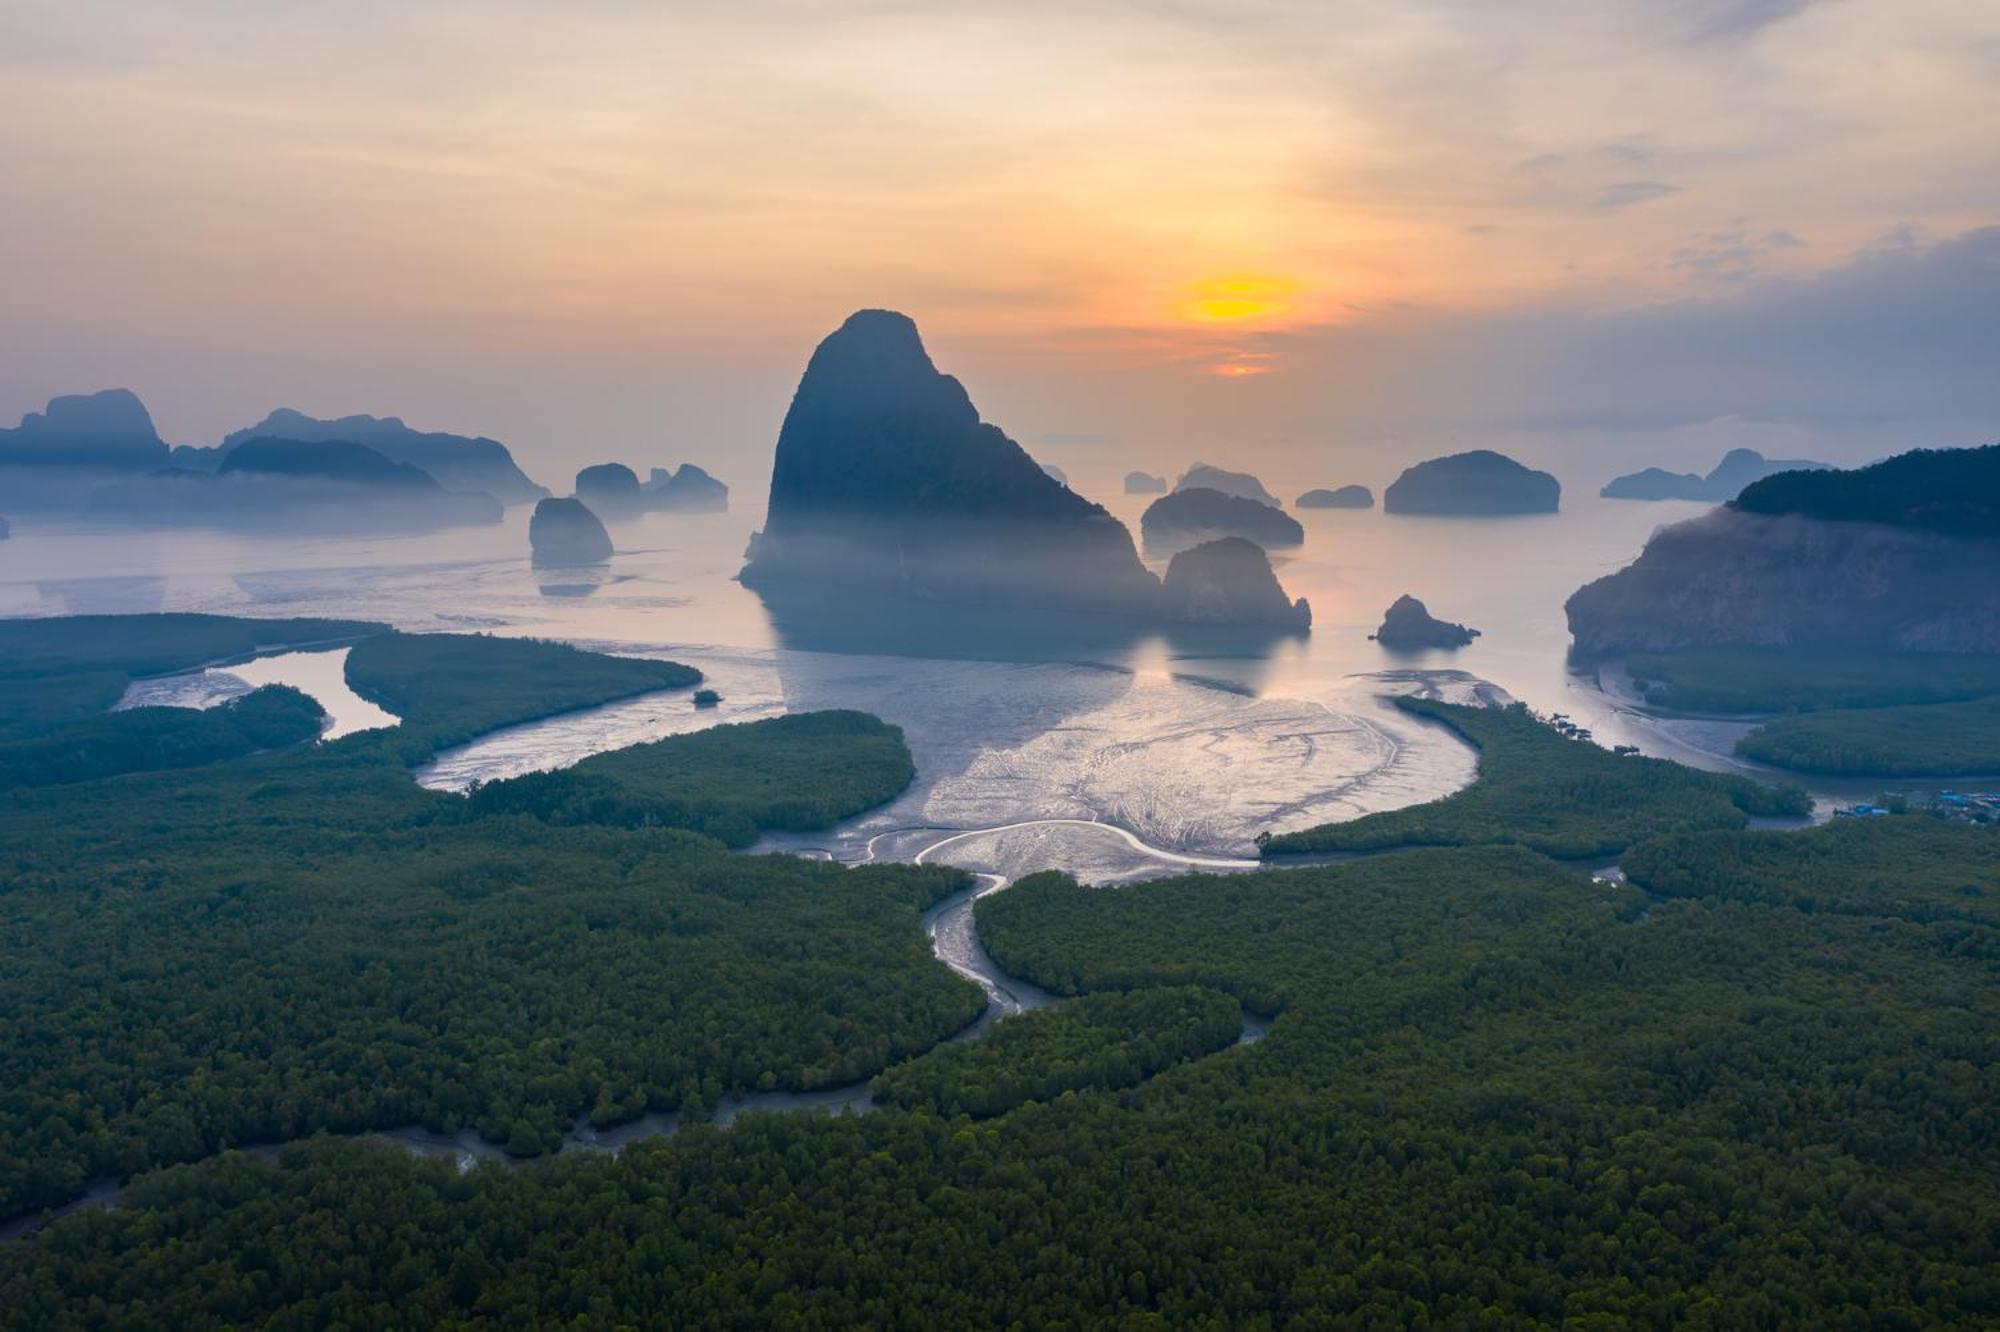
1955	492
1540	789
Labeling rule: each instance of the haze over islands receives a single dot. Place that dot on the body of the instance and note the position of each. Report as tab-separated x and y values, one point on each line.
1632	233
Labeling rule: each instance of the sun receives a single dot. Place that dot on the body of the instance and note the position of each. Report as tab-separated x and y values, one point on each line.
1238	300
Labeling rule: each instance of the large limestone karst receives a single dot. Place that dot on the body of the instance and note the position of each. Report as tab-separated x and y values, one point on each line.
885	478
1207	476
1346	497
686	489
1229	581
1480	483
1902	555
108	429
566	532
1189	517
1408	624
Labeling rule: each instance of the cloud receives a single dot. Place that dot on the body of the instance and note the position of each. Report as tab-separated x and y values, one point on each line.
1733	255
1903	338
1729	20
1627	193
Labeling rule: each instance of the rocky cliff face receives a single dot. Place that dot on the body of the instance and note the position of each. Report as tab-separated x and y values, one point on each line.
886	478
1786	580
1230	582
1479	483
97	430
565	531
458	462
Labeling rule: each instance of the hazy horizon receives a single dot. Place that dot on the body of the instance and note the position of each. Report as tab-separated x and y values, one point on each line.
1312	240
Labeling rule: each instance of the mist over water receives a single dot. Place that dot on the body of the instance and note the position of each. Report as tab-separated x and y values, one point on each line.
1030	725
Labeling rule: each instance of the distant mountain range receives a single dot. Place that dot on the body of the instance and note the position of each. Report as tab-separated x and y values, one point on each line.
457	462
1738	468
288	485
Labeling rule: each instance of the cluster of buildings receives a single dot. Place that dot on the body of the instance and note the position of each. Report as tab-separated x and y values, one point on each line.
1957	806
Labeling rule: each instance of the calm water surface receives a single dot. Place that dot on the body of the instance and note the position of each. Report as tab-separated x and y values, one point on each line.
1187	743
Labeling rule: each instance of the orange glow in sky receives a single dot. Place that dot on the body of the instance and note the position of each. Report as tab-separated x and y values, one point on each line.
604	192
1238	300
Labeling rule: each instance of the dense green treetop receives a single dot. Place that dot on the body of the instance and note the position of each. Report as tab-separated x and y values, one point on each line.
1757	679
449	688
259	948
150	739
1496	1094
1909	868
1955	492
795	773
70	667
1539	788
1099	1042
1930	740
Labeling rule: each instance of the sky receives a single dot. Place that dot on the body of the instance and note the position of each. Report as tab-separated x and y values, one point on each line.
1314	236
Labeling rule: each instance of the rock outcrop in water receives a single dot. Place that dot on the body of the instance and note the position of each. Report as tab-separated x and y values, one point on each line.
565	531
611	490
1188	517
1902	555
615	491
1145	483
1203	476
1347	497
456	462
687	489
1481	483
1738	468
287	485
1229	581
111	429
886	479
1409	624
